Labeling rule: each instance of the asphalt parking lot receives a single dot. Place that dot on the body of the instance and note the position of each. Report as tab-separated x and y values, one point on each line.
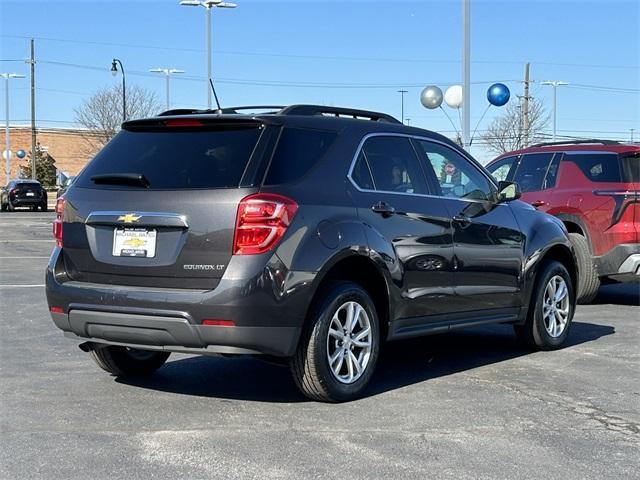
467	405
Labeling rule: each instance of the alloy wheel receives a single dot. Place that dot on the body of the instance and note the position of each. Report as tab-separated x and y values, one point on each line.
555	308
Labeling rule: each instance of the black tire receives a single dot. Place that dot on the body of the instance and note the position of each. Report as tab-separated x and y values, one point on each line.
10	207
310	364
588	279
44	207
33	208
123	361
534	333
3	207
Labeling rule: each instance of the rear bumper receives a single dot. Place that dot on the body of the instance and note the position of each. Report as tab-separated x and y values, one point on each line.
621	263
174	334
21	202
267	303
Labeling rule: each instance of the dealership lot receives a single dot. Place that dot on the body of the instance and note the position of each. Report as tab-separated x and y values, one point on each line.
466	405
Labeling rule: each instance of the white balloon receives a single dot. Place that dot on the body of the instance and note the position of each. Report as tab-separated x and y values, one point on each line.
453	96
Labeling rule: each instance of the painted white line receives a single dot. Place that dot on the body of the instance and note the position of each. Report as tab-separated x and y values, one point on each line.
11	258
21	286
20	241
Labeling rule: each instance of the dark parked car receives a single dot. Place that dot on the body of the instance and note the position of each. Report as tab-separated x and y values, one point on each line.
593	186
23	193
312	234
65	186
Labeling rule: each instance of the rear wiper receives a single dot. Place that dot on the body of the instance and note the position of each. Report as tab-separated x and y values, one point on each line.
132	179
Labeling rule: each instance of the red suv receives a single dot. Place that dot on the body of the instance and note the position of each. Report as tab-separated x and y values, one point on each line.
593	186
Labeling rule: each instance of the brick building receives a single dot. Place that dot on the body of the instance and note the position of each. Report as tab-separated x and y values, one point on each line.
71	148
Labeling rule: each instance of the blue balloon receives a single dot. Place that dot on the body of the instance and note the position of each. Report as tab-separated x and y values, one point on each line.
21	154
498	94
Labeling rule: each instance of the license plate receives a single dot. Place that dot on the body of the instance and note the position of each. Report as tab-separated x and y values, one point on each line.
134	242
31	194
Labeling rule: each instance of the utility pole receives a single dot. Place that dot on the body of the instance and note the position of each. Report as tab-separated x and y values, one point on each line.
525	107
466	73
402	92
7	143
632	130
555	84
32	63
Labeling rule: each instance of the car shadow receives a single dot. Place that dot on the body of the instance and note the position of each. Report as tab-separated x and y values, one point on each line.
618	294
401	364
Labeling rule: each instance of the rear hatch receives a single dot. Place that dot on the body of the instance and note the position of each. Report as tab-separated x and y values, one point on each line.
27	191
630	166
157	206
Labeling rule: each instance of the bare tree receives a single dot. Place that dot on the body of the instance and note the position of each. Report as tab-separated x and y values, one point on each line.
505	133
101	114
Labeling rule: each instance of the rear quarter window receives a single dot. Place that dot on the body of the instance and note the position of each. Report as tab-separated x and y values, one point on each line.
173	159
631	167
597	167
298	151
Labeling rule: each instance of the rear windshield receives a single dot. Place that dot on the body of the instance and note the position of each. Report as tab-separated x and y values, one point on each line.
631	167
28	185
172	159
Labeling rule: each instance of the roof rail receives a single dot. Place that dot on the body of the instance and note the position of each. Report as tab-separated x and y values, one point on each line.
337	112
307	110
578	142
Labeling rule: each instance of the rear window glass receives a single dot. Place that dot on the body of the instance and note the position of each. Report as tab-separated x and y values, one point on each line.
177	158
298	150
631	167
27	185
597	167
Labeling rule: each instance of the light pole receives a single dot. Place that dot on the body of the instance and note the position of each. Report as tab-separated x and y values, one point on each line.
7	143
466	74
114	69
208	6
555	84
167	75
402	92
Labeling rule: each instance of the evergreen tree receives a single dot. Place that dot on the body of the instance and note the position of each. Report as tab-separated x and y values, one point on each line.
45	167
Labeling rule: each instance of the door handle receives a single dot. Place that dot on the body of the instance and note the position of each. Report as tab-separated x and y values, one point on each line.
383	208
538	203
462	219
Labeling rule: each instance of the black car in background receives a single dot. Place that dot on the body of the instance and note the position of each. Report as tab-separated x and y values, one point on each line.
23	193
313	234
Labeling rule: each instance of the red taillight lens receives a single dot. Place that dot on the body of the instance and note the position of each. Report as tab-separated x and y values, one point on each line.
56	310
183	122
262	220
218	323
57	223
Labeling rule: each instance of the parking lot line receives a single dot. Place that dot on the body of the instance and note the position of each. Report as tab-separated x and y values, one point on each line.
21	241
11	258
22	286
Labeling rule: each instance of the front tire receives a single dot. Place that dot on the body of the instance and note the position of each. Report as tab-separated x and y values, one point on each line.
551	309
123	361
339	347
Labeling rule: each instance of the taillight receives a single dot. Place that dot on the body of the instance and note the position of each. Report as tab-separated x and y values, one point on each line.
57	223
261	222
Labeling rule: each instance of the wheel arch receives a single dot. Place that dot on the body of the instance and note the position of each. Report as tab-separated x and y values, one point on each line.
362	270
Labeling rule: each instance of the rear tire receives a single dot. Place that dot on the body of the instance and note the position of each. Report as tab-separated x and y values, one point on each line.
550	310
343	304
3	207
588	280
44	207
123	361
10	207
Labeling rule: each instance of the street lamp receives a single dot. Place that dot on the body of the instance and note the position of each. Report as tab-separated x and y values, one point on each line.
114	70
208	6
402	92
167	74
7	144
555	84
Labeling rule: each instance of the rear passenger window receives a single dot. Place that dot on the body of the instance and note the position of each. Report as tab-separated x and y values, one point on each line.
361	174
552	172
500	170
532	170
394	165
298	150
597	167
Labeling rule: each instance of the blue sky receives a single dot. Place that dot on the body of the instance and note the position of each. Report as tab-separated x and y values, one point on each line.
351	53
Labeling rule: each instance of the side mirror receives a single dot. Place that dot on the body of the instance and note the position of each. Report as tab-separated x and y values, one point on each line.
508	191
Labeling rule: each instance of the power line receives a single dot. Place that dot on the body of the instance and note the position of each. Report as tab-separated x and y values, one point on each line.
318	57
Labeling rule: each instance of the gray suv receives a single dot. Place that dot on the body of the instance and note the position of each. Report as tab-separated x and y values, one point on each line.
309	234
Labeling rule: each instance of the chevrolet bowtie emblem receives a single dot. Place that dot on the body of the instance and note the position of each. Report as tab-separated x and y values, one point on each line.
129	218
134	242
